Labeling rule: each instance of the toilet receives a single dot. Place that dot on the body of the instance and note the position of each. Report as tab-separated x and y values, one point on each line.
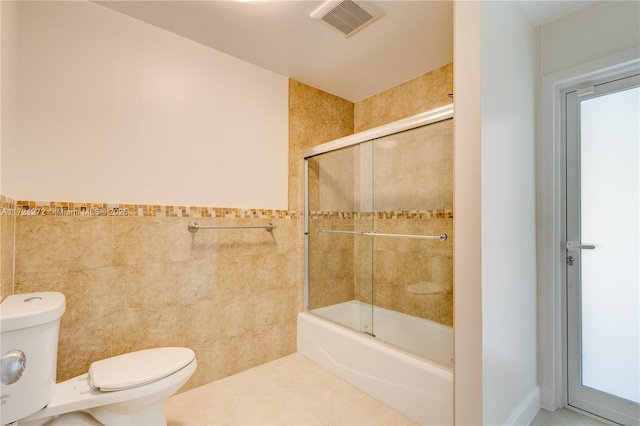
126	389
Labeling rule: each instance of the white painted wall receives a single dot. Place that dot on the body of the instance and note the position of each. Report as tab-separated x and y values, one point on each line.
495	265
509	75
8	95
598	41
495	296
114	110
594	32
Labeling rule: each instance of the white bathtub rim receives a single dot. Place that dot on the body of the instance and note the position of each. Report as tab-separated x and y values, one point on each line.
432	323
350	324
438	367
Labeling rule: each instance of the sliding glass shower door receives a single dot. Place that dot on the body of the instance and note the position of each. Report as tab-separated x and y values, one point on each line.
340	265
379	226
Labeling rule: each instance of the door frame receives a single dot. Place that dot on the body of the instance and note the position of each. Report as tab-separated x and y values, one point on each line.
550	211
577	396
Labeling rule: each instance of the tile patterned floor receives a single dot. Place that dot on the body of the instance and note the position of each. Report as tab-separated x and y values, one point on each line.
295	391
563	416
288	391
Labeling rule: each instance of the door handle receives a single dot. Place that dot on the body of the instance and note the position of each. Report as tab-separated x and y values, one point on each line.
571	246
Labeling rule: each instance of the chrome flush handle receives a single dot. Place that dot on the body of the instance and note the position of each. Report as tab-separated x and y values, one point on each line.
13	364
571	246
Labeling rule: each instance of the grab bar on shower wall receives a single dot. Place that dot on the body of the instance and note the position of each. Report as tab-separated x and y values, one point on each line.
193	227
441	237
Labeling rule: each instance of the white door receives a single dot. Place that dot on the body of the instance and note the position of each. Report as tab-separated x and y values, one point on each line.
603	249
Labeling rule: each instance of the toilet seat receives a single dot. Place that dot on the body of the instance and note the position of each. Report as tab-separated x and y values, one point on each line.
137	368
77	394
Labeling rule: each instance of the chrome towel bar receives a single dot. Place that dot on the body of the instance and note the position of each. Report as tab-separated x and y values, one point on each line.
441	237
193	227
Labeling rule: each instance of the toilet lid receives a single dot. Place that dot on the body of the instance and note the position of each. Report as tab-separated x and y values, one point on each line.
138	368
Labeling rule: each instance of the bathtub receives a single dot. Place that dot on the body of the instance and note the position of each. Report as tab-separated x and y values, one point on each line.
417	383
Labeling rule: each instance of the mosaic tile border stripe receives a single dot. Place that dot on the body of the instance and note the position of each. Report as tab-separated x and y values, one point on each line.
9	207
401	214
65	208
6	204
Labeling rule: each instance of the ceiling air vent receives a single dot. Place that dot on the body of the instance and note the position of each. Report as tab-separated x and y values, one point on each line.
348	16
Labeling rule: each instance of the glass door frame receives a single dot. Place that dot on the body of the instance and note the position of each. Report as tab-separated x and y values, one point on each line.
577	395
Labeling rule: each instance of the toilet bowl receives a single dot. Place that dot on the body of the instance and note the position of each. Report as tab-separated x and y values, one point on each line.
127	389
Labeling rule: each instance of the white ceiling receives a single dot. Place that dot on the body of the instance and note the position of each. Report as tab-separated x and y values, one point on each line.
412	38
544	11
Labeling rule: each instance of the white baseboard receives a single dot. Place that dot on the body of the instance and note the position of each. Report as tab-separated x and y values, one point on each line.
527	410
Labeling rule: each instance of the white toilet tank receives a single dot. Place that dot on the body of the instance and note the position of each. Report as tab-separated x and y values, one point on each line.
29	325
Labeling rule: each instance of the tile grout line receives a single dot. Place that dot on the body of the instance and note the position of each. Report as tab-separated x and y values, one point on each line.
235	406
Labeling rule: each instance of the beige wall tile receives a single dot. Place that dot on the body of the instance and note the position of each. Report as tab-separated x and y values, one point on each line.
80	343
314	117
420	94
7	233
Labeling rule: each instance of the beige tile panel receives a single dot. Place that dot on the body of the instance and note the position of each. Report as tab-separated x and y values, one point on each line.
274	342
62	243
203	324
211	357
245	274
81	343
330	292
138	329
239	355
157	239
420	94
334	264
315	117
7	234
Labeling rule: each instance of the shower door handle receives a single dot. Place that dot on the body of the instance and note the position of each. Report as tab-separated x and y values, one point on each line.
571	246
